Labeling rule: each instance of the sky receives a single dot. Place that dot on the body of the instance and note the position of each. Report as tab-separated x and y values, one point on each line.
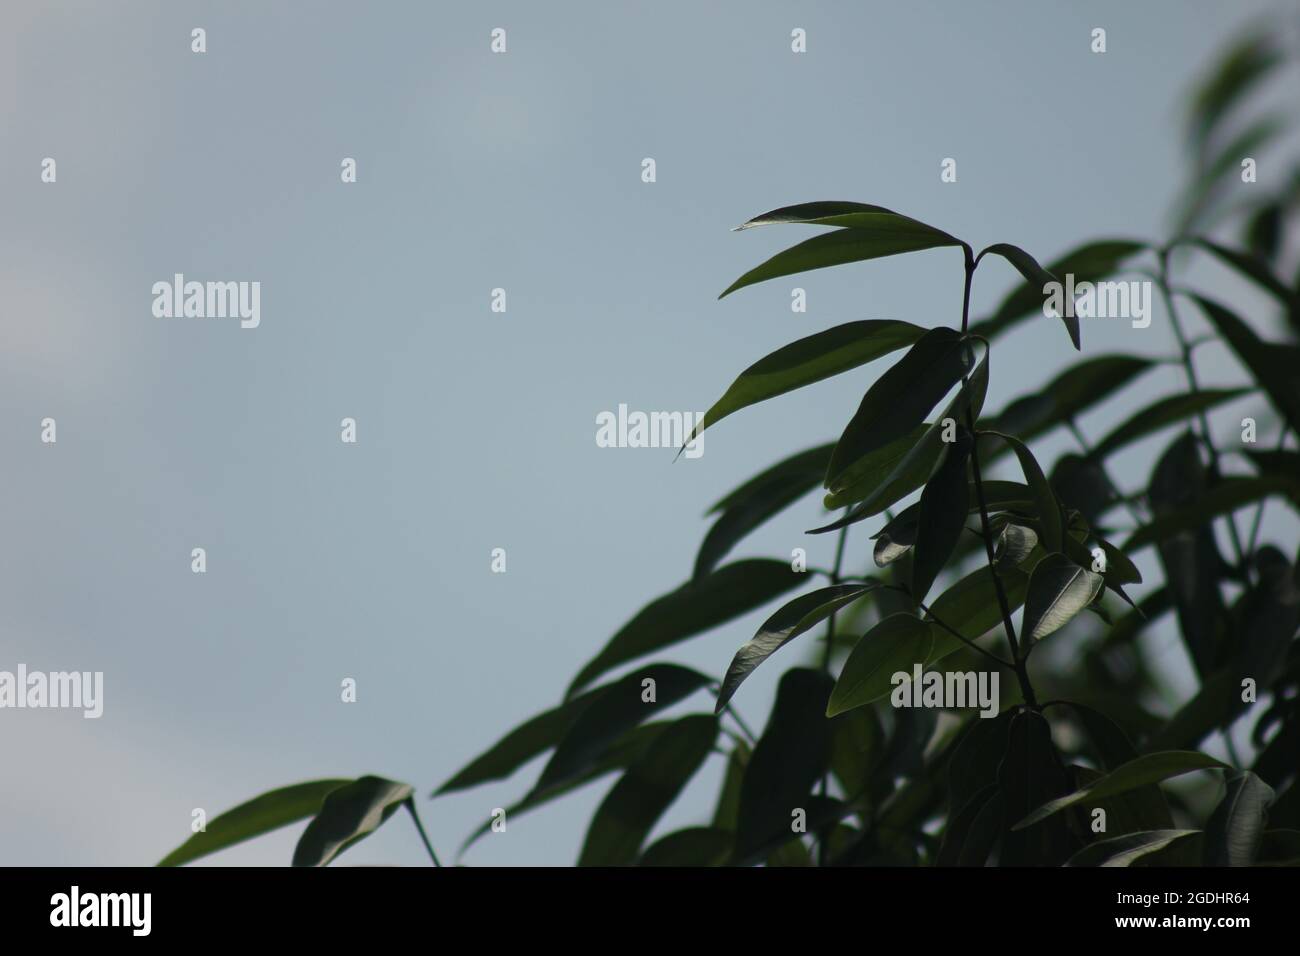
475	429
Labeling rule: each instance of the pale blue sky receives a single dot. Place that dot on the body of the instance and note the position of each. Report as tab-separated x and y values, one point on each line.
476	429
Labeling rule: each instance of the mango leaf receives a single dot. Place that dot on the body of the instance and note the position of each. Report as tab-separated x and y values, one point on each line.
647	788
875	472
975	759
970	607
1149	768
1236	828
1127	849
1015	542
620	707
1273	366
725	813
867	232
693	846
916	465
808	360
1030	774
693	608
262	814
1037	276
899	400
894	644
1236	73
1226	496
797	617
1058	590
944	503
1214	172
790	757
1087	263
1166	411
1251	267
759	499
347	815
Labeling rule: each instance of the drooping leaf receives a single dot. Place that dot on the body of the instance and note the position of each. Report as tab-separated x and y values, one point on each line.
693	846
647	788
1238	71
1251	267
759	499
797	617
1225	496
866	232
1029	775
899	400
1126	849
894	644
1087	263
693	608
1149	768
1146	806
790	756
1273	366
913	469
942	518
1058	590
1233	835
1036	276
617	709
1165	411
1049	510
811	359
348	814
262	814
1015	542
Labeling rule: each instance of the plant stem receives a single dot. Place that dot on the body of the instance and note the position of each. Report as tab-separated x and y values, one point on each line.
1162	281
410	806
1022	672
835	579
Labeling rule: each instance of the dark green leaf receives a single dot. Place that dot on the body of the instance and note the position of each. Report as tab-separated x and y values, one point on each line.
348	814
728	808
1124	850
1049	510
1226	496
970	607
810	360
894	644
1058	590
797	617
694	846
1238	71
1014	543
1252	267
1233	835
647	788
262	814
1149	768
847	214
1029	775
1037	277
1166	411
617	709
944	505
695	607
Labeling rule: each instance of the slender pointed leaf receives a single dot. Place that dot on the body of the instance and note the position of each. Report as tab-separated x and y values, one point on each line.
347	815
894	644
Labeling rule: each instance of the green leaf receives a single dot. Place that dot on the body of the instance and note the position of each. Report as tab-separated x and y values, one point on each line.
867	232
894	644
262	814
975	759
724	815
620	707
1166	411
1149	768
1037	277
810	360
759	499
347	815
790	756
1213	174
797	617
914	468
1236	73
1251	267
945	503
1226	496
1014	543
1031	773
1058	590
1273	366
1049	510
693	608
1127	849
877	472
970	607
898	402
1088	263
693	846
647	788
1233	835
